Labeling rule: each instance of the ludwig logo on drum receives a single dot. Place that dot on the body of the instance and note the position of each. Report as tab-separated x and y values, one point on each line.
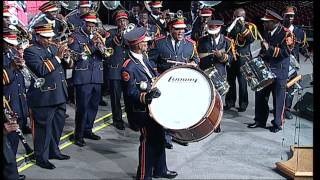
182	80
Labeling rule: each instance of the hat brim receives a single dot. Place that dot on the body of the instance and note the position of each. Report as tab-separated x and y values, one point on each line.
179	26
268	19
47	34
11	41
205	15
292	13
6	14
91	20
52	9
85	6
157	6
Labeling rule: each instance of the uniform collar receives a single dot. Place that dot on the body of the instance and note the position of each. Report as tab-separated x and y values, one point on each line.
274	30
291	27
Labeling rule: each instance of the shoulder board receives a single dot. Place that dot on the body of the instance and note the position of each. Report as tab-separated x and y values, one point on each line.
190	40
126	62
160	37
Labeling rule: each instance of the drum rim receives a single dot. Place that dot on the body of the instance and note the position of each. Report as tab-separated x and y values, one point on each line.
212	94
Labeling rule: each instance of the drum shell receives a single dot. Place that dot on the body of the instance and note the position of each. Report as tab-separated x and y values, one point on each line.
205	125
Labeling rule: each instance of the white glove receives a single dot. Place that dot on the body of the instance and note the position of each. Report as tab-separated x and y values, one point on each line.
229	29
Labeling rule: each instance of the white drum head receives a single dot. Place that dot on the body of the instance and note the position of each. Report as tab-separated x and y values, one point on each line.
186	95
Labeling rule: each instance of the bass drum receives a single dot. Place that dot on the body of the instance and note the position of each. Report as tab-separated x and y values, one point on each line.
189	105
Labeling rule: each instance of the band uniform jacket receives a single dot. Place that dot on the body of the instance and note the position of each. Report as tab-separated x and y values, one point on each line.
243	36
277	55
120	54
90	70
158	23
14	88
207	44
43	63
163	51
133	74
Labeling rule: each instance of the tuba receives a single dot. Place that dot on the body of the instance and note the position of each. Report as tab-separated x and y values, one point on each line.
69	5
209	3
111	5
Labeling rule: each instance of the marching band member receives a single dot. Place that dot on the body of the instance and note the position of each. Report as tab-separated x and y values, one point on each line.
301	45
14	87
275	50
74	19
6	16
153	31
155	16
173	48
48	102
87	78
114	39
136	8
10	170
199	25
220	46
137	75
243	33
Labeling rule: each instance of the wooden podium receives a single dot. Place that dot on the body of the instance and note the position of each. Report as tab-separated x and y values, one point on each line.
300	165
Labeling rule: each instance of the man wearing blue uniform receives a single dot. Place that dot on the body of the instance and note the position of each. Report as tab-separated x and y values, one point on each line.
87	78
243	33
74	18
172	49
301	46
13	91
155	16
47	102
200	23
138	75
219	48
114	39
276	48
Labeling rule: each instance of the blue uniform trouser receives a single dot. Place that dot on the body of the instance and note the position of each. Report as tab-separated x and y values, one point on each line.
115	97
278	89
48	123
87	104
152	155
234	73
10	171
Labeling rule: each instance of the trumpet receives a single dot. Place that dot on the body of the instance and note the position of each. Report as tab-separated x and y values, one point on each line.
29	75
106	52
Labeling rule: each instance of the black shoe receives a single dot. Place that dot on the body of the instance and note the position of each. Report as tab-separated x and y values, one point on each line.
61	157
103	103
287	114
242	109
66	116
45	165
79	142
92	136
26	130
168	175
168	145
227	106
218	129
275	129
179	142
256	125
119	126
21	177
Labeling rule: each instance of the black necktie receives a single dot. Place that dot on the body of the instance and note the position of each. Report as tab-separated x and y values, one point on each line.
176	45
